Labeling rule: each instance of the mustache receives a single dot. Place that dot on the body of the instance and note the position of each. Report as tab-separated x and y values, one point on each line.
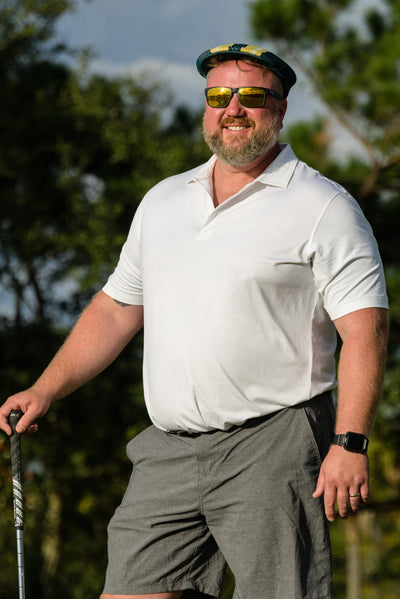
241	121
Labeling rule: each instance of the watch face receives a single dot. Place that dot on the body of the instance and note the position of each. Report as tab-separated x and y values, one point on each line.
355	442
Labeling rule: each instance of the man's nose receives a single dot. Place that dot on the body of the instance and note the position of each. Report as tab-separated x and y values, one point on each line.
234	107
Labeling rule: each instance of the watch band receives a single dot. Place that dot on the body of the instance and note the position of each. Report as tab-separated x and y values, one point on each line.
340	440
350	441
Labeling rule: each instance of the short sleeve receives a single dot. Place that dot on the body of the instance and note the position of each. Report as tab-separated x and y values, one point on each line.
346	262
125	283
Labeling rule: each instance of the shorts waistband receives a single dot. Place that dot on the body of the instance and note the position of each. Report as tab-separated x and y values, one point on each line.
254	421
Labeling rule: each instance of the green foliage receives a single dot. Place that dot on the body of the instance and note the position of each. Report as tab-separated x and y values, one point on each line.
302	22
352	64
24	27
78	153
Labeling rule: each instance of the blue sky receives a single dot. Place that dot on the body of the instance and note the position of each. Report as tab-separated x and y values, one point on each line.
127	30
163	38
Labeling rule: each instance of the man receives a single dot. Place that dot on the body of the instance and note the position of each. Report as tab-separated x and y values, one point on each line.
241	271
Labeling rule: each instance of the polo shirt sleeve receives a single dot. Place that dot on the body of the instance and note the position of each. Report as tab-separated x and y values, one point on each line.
345	259
125	283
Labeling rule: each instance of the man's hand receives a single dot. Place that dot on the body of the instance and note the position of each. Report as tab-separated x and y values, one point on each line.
32	405
342	475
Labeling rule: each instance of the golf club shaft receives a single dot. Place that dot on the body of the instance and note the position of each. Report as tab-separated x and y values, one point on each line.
20	562
18	500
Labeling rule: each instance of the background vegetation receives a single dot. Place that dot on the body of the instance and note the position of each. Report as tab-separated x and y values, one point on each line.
77	154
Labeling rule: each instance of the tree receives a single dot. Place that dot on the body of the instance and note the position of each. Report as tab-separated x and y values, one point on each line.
78	154
353	67
350	60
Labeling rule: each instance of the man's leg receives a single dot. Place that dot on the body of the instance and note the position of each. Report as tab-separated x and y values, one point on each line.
159	545
259	505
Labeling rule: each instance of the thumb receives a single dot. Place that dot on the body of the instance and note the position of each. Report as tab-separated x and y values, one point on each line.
319	490
26	423
22	424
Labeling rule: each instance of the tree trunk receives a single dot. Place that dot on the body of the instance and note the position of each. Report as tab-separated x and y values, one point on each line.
353	559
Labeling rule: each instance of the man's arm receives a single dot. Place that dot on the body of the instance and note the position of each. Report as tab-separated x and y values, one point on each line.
364	334
100	334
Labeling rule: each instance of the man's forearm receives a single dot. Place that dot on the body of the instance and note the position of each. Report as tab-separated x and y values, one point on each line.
361	370
344	475
102	331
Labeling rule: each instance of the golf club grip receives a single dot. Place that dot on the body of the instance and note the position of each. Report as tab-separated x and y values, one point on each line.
16	470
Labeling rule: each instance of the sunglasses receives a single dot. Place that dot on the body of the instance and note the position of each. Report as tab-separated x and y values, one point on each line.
250	97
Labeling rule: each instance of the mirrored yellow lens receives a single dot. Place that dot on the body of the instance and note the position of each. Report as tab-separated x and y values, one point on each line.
252	97
218	97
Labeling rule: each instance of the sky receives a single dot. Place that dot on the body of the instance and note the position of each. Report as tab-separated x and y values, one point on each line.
165	37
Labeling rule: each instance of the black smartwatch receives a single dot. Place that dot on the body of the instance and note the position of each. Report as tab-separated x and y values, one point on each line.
352	442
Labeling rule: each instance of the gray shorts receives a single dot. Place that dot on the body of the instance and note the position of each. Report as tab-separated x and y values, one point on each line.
242	497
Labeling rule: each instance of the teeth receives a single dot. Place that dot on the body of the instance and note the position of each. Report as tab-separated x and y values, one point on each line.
235	128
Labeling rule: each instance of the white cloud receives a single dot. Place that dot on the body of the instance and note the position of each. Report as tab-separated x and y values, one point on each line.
161	39
181	80
187	85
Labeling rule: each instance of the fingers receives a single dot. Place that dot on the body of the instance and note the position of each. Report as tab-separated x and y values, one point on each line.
357	498
345	503
329	493
330	503
5	412
319	490
24	425
364	493
348	501
32	407
343	483
354	500
4	424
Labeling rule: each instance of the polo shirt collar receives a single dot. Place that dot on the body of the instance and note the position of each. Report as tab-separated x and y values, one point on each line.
280	171
276	174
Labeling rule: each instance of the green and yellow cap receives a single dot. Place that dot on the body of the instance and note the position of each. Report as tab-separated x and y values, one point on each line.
237	51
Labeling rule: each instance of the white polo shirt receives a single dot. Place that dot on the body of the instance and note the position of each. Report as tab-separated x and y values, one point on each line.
239	299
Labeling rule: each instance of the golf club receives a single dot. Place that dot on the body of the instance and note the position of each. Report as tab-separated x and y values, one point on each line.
18	500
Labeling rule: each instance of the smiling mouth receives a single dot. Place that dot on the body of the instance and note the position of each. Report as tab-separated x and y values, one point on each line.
236	127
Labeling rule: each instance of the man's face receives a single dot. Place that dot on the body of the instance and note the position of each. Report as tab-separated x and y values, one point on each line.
238	135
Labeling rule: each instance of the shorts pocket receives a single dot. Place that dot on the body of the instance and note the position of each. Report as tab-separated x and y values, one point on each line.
320	415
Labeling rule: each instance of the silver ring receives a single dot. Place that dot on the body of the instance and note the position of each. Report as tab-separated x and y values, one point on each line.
354	494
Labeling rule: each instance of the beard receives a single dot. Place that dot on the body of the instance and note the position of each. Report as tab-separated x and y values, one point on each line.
241	152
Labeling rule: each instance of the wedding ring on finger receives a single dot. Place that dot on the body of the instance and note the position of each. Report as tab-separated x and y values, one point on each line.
354	495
